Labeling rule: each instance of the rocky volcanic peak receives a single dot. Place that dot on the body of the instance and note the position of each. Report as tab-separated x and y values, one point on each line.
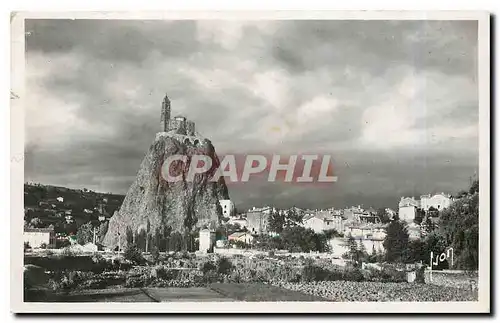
154	205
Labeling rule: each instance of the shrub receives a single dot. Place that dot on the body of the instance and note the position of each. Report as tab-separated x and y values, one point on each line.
67	252
69	280
313	273
155	254
62	244
208	266
133	255
224	266
387	274
353	274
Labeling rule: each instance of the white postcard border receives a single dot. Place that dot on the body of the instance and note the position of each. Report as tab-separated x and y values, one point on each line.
17	171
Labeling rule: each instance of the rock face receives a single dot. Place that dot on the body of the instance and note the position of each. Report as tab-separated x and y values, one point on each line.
161	208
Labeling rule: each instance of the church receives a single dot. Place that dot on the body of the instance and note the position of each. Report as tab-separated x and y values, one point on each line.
179	124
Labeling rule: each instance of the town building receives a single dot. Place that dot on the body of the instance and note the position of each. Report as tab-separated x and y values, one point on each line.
206	240
244	237
36	238
438	201
408	205
257	221
408	209
370	235
242	222
265	209
323	221
358	214
227	207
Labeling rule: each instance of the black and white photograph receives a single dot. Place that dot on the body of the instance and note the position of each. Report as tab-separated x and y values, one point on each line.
339	162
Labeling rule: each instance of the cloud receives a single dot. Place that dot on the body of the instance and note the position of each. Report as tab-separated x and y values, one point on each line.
359	90
412	113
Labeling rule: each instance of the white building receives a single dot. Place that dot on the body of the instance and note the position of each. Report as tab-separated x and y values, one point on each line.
264	210
227	208
408	205
206	240
408	209
38	237
323	221
239	221
241	236
438	201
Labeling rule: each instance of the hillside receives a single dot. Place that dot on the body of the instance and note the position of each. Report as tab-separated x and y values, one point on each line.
46	205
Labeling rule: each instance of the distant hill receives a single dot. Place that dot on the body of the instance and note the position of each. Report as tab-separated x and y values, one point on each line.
51	204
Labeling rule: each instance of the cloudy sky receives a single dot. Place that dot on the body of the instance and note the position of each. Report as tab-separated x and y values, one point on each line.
394	103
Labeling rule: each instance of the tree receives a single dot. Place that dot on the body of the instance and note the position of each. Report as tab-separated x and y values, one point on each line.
435	242
427	225
103	229
35	223
459	227
383	215
85	233
354	253
175	243
373	256
218	209
396	241
433	212
276	221
332	233
474	188
133	255
294	239
293	217
416	252
419	216
363	254
300	239
155	254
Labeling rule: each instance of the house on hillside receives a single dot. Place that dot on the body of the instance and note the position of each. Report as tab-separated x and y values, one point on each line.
438	201
408	205
408	209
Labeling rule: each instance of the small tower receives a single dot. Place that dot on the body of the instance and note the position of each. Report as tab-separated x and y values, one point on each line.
165	114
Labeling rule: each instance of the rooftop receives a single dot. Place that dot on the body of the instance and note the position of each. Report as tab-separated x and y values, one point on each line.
38	230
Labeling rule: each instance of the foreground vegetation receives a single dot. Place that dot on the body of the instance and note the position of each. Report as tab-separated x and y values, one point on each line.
237	278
